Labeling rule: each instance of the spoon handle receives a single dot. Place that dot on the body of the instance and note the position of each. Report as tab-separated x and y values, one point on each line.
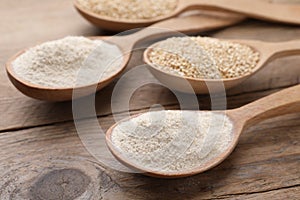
182	25
283	102
280	12
281	49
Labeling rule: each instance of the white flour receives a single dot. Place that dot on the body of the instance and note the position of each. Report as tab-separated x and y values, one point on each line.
68	62
173	141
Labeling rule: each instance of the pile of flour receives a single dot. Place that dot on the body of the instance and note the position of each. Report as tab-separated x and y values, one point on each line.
68	62
172	141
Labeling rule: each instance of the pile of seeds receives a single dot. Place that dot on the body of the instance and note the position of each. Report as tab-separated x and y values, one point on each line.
182	56
130	9
173	141
203	57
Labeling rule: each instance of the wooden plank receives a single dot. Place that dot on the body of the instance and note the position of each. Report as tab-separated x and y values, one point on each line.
36	113
267	158
292	193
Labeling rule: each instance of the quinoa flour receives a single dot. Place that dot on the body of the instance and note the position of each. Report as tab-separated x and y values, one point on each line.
172	141
57	63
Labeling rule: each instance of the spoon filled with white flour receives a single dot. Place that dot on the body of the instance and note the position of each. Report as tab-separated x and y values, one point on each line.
56	64
172	144
51	70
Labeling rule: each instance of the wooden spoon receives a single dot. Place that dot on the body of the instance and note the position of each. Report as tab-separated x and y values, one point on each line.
190	24
265	10
283	102
267	50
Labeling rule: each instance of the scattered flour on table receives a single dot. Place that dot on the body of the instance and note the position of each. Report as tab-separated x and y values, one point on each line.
173	141
67	62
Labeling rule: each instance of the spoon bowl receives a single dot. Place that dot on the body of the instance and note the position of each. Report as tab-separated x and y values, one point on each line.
237	130
125	44
283	102
60	94
113	24
267	51
285	13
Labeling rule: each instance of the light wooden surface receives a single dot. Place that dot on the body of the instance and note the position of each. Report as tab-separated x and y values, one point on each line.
43	158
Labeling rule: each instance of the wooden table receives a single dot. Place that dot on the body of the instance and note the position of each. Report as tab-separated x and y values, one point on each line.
43	158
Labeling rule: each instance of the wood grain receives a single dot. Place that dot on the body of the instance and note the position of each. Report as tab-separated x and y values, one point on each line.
38	140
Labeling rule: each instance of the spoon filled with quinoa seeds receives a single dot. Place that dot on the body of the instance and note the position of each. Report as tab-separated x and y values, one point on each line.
122	15
211	65
178	143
